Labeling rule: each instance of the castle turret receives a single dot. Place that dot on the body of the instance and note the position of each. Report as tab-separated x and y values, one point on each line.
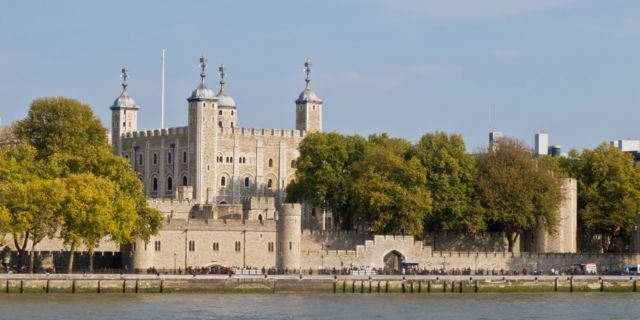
203	119
308	106
227	111
288	236
124	115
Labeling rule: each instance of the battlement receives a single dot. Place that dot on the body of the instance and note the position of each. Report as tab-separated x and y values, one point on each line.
220	225
330	253
261	132
167	132
156	202
258	203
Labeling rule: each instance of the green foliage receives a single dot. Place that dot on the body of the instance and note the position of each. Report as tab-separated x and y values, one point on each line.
517	191
451	181
608	195
62	175
388	188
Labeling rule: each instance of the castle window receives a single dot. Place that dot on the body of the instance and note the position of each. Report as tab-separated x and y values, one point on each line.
247	182
270	163
184	157
231	112
155	158
293	163
216	246
270	184
231	124
220	124
169	158
133	247
223	181
169	183
156	245
290	246
184	180
220	112
270	246
155	184
238	247
140	159
124	124
192	245
314	108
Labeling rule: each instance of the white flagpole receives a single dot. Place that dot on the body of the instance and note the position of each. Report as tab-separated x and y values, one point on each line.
162	95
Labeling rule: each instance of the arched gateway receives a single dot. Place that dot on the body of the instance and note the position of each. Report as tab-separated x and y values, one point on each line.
392	260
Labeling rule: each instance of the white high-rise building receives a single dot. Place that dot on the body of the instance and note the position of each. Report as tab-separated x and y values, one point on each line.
542	144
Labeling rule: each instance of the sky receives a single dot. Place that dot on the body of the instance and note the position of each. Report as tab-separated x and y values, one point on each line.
405	67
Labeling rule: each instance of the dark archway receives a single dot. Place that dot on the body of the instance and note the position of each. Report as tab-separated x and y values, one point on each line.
391	261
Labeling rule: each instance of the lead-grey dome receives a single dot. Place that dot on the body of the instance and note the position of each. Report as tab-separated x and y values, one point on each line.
225	100
308	95
202	92
124	101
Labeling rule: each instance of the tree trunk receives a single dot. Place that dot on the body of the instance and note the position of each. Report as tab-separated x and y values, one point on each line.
32	258
21	248
511	239
90	260
72	252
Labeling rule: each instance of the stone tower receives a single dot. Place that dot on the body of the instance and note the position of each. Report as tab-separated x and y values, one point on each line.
288	236
203	123
227	111
124	115
308	106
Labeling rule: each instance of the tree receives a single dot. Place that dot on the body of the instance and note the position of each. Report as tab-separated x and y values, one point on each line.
323	170
70	143
89	213
58	125
32	203
388	187
608	195
451	181
517	191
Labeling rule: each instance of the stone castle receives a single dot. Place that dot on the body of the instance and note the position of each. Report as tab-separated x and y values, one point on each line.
221	189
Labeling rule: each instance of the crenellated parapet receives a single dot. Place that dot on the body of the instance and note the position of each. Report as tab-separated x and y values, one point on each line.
167	132
261	132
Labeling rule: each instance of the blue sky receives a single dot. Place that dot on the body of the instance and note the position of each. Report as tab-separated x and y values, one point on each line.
405	67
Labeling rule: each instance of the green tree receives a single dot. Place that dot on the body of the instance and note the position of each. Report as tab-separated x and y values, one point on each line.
451	181
89	213
388	187
517	191
323	170
608	195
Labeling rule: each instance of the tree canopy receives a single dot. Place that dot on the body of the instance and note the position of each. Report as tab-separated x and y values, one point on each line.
517	191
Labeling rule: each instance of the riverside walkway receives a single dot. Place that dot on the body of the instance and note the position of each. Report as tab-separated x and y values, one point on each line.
144	283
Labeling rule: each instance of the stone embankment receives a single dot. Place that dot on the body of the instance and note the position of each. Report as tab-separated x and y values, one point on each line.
56	283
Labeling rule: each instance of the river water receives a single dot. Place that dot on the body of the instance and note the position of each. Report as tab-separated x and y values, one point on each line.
322	306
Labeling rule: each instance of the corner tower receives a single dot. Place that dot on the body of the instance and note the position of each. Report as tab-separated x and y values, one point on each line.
227	111
308	106
203	120
124	115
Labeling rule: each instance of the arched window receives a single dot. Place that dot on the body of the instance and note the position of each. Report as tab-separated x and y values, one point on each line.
169	158
219	112
223	181
184	180
293	163
184	157
169	183
270	163
155	158
231	124
247	181
139	159
155	184
270	184
220	124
